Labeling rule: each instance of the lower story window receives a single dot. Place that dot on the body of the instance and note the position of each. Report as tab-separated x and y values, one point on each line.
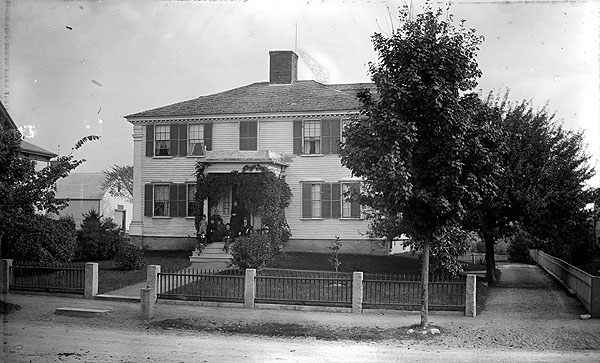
161	200
191	200
330	200
316	201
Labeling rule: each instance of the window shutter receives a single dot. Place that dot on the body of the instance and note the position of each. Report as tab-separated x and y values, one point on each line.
325	137
183	140
298	137
336	202
354	206
150	140
208	136
306	200
182	203
252	135
174	136
148	196
173	200
243	133
326	200
335	135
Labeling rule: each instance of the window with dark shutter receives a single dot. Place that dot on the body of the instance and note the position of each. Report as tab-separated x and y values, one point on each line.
330	135
148	200
336	200
183	135
306	200
326	200
175	140
208	134
248	135
350	200
297	137
150	140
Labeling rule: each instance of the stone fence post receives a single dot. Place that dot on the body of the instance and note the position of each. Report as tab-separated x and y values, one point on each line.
471	296
250	288
5	265
357	292
90	289
147	303
152	280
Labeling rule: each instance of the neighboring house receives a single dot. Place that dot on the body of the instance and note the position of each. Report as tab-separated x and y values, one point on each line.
28	150
84	192
290	126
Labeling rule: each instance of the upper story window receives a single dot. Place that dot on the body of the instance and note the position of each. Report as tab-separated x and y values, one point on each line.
315	137
248	135
195	139
178	139
312	137
162	140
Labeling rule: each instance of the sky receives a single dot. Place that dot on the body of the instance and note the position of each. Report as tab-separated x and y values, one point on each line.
75	68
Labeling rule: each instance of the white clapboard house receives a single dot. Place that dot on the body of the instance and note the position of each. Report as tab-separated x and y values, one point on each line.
288	125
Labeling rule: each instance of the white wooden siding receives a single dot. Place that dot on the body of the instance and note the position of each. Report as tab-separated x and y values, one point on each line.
276	135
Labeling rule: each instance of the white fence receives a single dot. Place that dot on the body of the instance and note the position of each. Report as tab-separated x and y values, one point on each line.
580	283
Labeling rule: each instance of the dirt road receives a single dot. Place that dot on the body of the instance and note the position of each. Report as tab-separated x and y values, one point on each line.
528	318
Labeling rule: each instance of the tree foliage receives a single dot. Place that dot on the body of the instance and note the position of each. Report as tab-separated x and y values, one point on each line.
543	185
119	181
42	239
99	238
26	191
411	144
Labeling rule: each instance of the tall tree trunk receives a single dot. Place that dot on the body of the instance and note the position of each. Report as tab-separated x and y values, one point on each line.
425	285
490	258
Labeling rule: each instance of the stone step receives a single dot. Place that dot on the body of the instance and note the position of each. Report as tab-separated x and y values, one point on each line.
82	312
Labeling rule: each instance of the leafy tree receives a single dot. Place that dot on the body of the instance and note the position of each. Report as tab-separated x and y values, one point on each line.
119	181
45	240
411	144
25	191
543	187
99	238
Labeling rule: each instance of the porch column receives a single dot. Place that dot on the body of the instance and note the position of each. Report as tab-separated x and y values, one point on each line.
136	225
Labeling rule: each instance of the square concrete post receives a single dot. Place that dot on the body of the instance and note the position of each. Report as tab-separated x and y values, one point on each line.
5	275
147	303
595	297
152	280
91	280
471	296
357	292
250	288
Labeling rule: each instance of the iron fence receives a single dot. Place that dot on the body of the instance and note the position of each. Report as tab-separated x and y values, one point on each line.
48	277
403	292
202	284
304	287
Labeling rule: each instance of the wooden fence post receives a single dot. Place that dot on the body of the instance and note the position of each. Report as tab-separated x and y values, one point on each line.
250	288
471	296
357	292
91	280
5	265
152	280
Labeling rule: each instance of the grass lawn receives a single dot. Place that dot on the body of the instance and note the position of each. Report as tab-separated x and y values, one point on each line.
396	264
112	277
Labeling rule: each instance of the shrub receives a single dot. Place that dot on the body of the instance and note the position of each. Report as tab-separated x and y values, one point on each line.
254	251
130	257
518	248
43	239
501	246
99	238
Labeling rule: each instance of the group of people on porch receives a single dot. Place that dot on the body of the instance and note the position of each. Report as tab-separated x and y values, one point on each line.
215	231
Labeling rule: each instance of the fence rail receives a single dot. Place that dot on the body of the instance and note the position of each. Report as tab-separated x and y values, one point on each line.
582	284
67	278
304	287
202	284
404	292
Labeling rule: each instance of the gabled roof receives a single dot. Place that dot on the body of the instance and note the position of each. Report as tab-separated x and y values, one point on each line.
80	186
32	150
5	120
262	97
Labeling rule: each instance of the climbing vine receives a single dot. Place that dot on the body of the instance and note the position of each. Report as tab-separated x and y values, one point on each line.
262	191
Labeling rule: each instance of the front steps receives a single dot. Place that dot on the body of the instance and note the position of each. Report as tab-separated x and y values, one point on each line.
212	256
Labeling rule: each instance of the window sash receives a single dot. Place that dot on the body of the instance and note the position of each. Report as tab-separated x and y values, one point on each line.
191	199
312	137
162	137
196	139
161	201
316	201
346	205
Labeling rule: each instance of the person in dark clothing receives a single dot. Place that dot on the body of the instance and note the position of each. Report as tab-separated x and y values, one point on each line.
236	218
228	237
213	232
246	229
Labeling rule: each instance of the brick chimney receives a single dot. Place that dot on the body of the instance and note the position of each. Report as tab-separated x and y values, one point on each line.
283	67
